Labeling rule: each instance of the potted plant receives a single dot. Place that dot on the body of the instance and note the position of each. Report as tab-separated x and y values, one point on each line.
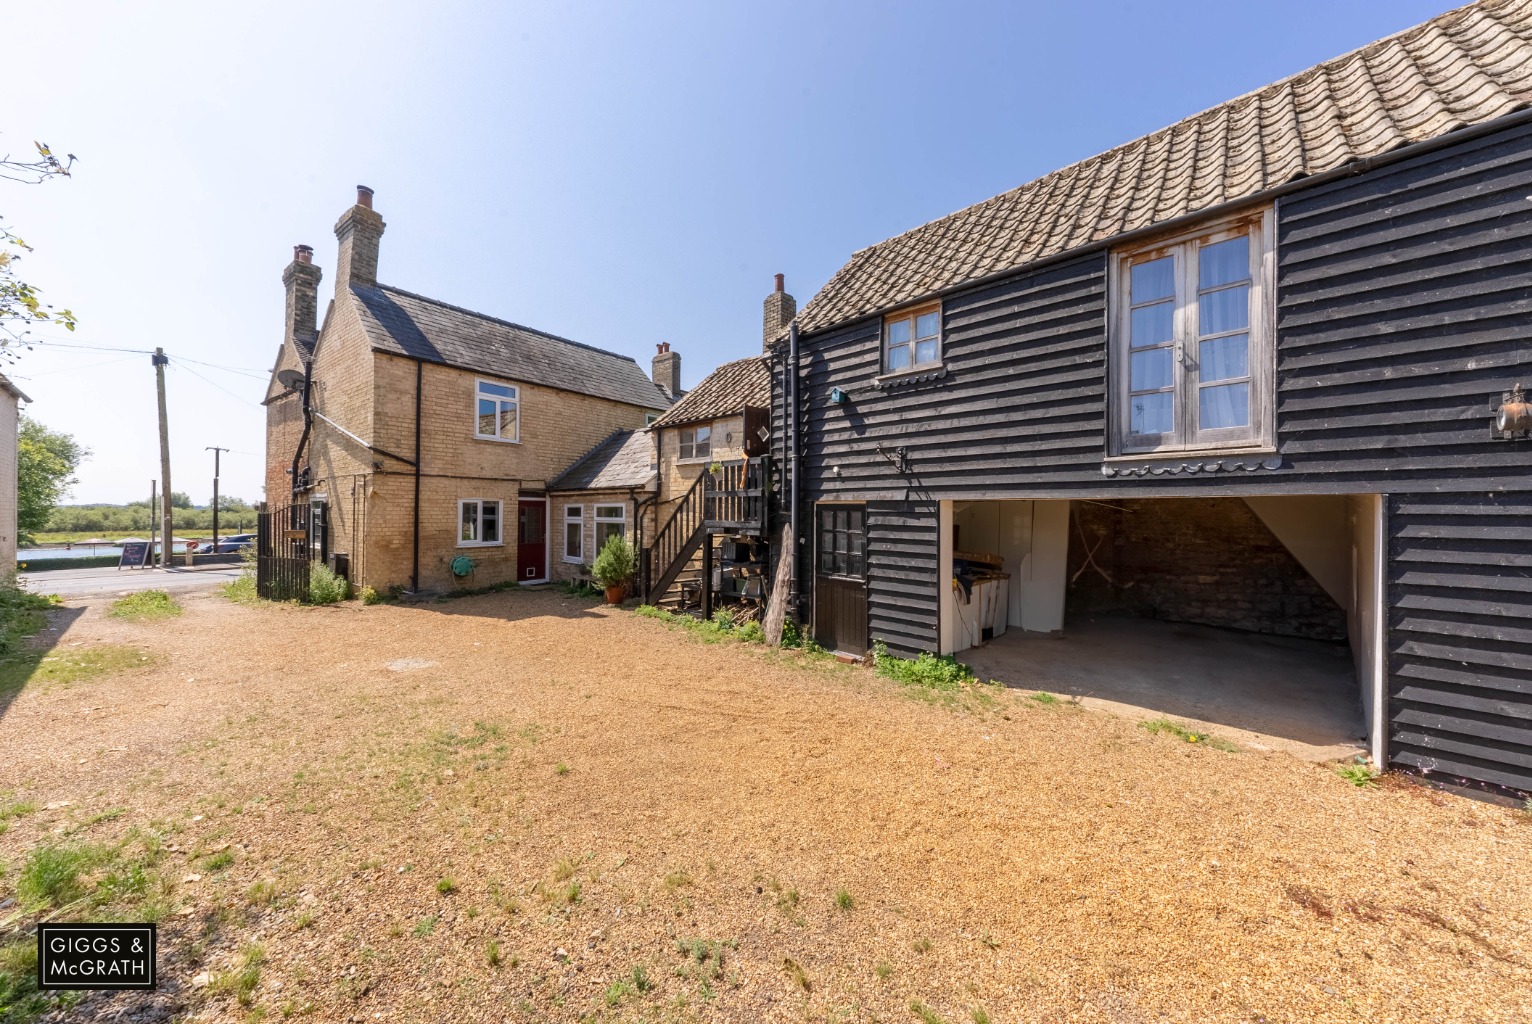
614	567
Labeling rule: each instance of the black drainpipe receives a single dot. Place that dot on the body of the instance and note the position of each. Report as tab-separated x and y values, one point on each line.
415	562
791	438
308	423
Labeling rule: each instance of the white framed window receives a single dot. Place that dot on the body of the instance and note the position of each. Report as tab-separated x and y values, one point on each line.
912	339
650	417
478	522
497	412
611	521
1192	352
697	442
574	533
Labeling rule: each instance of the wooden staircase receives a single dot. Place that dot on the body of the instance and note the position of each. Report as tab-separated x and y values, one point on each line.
728	498
676	545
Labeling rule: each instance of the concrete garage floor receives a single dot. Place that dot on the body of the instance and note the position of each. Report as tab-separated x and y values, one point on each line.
1265	692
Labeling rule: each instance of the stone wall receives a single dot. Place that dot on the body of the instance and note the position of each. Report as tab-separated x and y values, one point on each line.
1202	560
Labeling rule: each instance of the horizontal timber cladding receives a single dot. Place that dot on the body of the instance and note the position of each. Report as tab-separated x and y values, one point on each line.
1460	637
902	576
1404	306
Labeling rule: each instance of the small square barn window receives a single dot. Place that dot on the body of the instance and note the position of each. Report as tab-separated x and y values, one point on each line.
478	522
697	442
497	412
574	533
912	339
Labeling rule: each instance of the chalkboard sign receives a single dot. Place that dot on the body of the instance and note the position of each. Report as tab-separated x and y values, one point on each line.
135	554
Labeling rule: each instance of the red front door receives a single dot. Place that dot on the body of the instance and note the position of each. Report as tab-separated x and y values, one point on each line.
532	541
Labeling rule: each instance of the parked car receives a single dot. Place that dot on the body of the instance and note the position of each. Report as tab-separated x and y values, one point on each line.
233	543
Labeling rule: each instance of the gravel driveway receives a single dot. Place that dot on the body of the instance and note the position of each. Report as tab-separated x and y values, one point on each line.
528	807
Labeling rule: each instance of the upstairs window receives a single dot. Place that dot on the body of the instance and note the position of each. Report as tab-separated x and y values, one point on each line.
912	339
497	415
1192	342
697	442
478	522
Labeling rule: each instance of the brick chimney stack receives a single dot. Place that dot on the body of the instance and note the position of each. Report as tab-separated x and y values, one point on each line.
301	279
667	370
359	231
780	310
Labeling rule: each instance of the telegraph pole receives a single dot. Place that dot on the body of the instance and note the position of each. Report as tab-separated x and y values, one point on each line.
160	360
216	451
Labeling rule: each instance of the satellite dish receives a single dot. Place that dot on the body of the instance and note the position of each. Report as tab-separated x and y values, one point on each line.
290	379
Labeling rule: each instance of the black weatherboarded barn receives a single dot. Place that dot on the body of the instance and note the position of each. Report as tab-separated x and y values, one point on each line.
1297	315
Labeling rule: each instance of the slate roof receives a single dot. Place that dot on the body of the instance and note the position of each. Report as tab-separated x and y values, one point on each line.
724	392
624	459
412	325
1462	68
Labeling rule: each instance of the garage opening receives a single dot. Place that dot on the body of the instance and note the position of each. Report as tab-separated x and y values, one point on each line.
1258	615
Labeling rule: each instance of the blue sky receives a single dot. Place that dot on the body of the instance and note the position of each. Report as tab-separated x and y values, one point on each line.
618	173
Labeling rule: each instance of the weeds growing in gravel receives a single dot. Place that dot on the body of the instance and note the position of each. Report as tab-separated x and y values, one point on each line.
242	589
21	613
492	953
325	586
979	1016
241	982
844	900
67	666
797	973
1164	726
1358	772
145	606
925	1013
425	926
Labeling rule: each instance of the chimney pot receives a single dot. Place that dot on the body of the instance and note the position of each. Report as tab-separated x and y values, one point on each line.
303	254
364	196
781	283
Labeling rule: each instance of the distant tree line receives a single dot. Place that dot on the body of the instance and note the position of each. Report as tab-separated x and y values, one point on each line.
113	521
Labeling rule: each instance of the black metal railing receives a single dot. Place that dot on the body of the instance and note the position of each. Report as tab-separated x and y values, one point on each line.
675	542
287	539
735	498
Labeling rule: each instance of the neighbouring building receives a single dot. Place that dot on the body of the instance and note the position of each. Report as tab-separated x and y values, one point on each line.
710	456
1261	369
11	398
608	492
418	439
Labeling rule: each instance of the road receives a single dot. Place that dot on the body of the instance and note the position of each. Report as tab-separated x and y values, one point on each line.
72	584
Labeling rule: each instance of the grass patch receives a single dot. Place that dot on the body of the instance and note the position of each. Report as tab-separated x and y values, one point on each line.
980	1016
884	970
16	808
67	666
492	953
242	590
1358	772
21	614
925	1013
561	769
797	973
1165	727
426	926
677	879
446	886
1046	699
927	671
145	606
241	982
51	875
219	861
843	900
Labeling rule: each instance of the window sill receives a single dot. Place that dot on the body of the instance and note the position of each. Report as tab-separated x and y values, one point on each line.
914	375
502	440
706	460
573	561
1215	452
481	543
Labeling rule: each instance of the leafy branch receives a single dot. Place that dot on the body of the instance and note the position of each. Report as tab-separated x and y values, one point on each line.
20	307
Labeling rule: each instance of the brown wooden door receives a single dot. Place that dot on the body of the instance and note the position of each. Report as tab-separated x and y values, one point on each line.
532	540
840	578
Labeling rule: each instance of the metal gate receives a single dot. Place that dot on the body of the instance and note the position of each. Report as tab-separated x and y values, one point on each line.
288	540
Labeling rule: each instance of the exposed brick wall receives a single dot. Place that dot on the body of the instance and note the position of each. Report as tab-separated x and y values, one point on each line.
284	424
1203	560
676	477
587	502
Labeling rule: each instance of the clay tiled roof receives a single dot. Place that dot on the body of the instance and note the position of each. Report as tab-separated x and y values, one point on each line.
724	392
412	325
625	459
1463	68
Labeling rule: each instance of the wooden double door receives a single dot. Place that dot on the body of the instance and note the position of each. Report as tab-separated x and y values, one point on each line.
840	578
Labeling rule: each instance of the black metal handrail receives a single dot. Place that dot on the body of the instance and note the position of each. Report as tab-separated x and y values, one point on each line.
735	495
675	541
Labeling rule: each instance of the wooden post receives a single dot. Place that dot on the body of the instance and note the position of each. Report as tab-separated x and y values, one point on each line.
216	452
707	575
167	517
776	607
